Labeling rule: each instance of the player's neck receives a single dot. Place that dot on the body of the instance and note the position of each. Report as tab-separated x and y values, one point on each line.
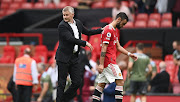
138	51
113	24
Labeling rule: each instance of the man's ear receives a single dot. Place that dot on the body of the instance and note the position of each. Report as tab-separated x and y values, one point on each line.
119	19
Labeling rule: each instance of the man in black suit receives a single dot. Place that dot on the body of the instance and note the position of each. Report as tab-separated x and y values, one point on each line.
70	31
160	83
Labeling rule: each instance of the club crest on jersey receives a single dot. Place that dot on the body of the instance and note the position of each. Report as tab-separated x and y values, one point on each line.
108	34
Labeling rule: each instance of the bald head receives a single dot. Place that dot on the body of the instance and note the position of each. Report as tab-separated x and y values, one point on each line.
27	51
162	65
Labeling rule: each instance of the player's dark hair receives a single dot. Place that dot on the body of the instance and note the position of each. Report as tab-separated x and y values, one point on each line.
178	43
118	1
140	46
122	15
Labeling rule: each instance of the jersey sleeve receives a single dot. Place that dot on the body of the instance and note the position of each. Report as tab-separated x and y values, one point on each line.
106	36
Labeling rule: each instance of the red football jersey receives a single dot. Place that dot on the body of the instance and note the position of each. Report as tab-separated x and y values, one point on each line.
109	36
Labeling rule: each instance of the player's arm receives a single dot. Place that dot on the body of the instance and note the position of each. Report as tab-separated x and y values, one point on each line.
102	57
150	69
43	92
124	51
130	65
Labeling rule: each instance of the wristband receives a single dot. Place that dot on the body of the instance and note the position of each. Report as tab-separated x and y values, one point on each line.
129	53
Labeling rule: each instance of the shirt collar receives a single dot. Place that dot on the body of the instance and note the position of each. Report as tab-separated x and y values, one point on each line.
112	26
26	55
74	22
161	70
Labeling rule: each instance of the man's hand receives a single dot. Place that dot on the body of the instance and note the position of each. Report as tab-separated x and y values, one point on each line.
100	68
133	56
35	86
39	99
89	45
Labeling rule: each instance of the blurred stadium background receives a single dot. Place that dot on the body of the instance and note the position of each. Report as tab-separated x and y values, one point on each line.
31	24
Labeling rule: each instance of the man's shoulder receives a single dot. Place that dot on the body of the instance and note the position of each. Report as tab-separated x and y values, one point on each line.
107	29
61	23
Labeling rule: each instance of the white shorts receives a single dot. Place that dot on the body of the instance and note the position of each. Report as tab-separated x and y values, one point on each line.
110	74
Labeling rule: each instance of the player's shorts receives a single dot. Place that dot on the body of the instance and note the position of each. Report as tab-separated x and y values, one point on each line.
138	87
110	74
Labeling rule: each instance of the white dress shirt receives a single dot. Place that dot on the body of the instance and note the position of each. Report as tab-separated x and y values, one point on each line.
53	72
76	33
34	71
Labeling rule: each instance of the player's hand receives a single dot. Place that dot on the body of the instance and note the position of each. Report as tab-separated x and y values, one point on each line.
89	45
35	86
100	68
133	56
39	99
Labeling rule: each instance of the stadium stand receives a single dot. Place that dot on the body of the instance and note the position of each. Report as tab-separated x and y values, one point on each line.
166	24
41	53
129	25
8	55
27	6
22	48
142	16
153	24
140	24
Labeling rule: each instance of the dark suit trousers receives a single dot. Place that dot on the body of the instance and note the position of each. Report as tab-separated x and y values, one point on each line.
63	69
24	93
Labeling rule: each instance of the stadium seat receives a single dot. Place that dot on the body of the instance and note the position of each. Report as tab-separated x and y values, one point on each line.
15	6
41	52
131	3
129	25
4	6
109	4
166	24
171	69
39	5
62	5
178	23
95	40
140	24
155	16
10	11
6	1
21	50
169	58
167	16
2	13
56	46
97	5
125	3
142	16
176	88
73	4
84	37
20	1
8	55
106	20
27	6
157	64
176	80
153	24
50	6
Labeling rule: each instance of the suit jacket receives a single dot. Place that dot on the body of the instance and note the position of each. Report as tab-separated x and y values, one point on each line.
67	40
160	83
